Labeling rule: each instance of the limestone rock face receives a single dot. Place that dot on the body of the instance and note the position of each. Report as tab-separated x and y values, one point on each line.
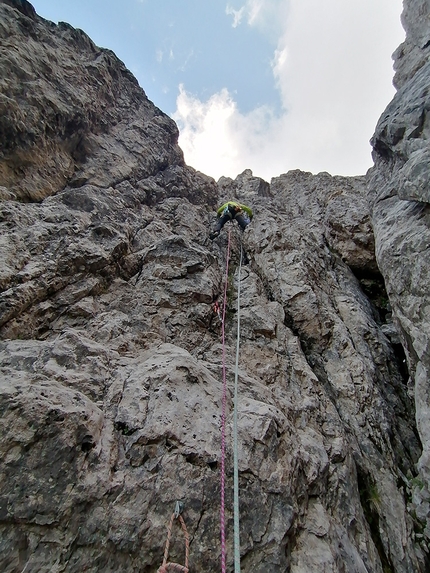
111	352
399	193
66	106
413	53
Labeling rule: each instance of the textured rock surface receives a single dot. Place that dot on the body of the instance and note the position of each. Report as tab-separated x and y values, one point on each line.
399	192
71	113
415	50
111	357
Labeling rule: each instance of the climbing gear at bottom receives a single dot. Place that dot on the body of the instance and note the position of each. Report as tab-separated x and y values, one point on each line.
213	235
217	310
175	567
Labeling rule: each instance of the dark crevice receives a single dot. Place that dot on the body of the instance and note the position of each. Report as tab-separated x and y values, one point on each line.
290	546
402	365
201	461
370	502
382	149
264	282
87	443
373	286
124	429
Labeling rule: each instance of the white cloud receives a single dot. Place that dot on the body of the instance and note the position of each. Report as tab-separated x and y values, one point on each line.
333	70
221	140
266	15
187	60
255	9
237	14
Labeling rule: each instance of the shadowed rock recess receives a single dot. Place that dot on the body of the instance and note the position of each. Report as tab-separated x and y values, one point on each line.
111	355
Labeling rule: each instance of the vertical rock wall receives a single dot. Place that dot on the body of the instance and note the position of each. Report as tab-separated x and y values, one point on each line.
111	357
400	198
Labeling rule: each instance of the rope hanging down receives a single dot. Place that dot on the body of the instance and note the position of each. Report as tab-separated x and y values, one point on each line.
223	414
175	567
223	424
235	446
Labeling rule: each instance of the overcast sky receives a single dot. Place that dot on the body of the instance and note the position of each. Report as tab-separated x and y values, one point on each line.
267	85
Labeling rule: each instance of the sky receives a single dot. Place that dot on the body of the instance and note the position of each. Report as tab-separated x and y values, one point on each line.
266	85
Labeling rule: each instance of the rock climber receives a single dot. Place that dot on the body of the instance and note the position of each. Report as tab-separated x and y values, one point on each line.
229	211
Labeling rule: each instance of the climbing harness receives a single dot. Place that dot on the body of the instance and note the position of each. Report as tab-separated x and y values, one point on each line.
175	567
227	212
223	423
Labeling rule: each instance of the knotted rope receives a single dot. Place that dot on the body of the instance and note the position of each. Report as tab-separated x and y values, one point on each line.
175	567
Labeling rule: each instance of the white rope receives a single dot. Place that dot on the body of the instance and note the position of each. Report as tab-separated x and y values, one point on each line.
235	446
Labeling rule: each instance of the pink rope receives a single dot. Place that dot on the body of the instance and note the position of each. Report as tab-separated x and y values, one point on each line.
223	417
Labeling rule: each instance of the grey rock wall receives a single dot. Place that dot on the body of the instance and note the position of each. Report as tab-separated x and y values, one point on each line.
413	53
399	196
71	113
111	356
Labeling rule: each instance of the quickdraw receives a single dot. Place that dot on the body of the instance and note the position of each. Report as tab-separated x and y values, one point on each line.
169	567
217	310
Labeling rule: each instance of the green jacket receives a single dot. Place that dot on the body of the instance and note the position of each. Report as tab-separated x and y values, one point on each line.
247	210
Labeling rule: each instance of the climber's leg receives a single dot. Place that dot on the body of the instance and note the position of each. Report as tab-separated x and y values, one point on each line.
225	217
243	220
